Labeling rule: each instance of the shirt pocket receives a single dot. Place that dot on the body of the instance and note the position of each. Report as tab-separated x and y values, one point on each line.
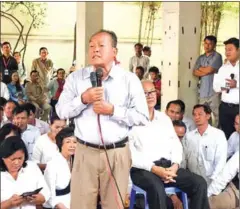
209	153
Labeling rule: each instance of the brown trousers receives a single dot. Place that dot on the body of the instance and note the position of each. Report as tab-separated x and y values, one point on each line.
90	177
226	199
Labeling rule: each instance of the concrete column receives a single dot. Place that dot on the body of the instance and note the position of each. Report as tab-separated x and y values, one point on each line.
181	34
89	20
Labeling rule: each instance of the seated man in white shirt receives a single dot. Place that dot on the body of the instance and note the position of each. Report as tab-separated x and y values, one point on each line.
175	110
45	148
40	124
206	147
233	142
29	133
223	192
156	156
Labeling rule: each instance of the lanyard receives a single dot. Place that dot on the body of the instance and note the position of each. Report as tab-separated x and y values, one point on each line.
6	63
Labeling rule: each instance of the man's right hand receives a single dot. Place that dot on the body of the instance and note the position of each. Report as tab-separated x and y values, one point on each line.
166	175
92	95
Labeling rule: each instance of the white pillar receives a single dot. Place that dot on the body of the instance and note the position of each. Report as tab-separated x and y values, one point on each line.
181	35
89	20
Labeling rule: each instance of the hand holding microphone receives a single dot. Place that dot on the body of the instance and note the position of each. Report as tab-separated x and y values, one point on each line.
231	83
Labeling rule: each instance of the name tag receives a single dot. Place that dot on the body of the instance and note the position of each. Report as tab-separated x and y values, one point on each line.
6	72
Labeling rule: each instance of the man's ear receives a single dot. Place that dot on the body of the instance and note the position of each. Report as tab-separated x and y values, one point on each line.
115	50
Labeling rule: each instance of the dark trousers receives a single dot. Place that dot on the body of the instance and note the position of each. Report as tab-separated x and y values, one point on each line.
53	104
227	114
193	185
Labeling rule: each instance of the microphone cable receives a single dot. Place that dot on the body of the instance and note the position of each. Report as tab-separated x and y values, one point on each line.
110	171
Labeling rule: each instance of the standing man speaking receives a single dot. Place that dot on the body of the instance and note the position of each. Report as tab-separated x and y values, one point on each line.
102	114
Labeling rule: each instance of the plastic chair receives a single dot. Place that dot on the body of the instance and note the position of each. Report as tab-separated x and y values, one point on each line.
168	190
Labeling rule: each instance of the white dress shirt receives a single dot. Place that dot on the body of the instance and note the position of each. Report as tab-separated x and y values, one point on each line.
139	61
189	123
29	179
30	136
121	88
220	81
233	144
42	126
4	92
44	150
231	169
206	155
154	141
57	176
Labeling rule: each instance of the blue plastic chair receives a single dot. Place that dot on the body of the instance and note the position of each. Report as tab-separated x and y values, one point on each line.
168	190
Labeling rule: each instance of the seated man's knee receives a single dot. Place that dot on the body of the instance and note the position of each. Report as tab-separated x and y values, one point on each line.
200	182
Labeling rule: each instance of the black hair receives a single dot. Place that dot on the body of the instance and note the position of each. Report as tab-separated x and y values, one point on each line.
60	69
234	41
29	106
33	71
1	108
153	70
211	38
11	101
8	147
205	107
7	129
18	85
3	101
138	44
64	133
111	34
25	82
5	43
42	48
20	109
54	117
177	102
146	48
180	123
16	53
141	69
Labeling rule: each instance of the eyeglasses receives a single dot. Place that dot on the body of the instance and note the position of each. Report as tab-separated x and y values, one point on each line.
148	93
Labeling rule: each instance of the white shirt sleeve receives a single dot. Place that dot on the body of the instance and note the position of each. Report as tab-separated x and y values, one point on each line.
231	145
5	91
218	81
139	160
50	175
220	155
69	104
41	182
227	174
37	152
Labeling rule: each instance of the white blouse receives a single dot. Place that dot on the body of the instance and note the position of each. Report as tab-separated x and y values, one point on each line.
29	179
57	175
44	150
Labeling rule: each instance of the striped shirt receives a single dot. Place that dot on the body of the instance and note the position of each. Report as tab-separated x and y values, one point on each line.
121	88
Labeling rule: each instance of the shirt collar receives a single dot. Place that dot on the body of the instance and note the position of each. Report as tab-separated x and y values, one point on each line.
229	63
112	74
206	131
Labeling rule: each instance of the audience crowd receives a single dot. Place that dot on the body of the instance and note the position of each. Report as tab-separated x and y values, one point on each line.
198	154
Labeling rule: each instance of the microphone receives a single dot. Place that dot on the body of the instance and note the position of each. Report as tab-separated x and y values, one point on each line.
99	74
232	77
93	78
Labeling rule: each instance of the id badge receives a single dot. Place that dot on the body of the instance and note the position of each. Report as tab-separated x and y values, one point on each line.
6	72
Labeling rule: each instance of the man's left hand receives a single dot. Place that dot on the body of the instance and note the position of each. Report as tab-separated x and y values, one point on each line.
173	168
103	107
232	83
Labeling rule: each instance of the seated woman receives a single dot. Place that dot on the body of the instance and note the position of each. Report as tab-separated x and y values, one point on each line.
18	176
17	93
9	130
58	170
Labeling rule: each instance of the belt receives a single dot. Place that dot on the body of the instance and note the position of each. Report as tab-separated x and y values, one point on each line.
109	146
231	104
